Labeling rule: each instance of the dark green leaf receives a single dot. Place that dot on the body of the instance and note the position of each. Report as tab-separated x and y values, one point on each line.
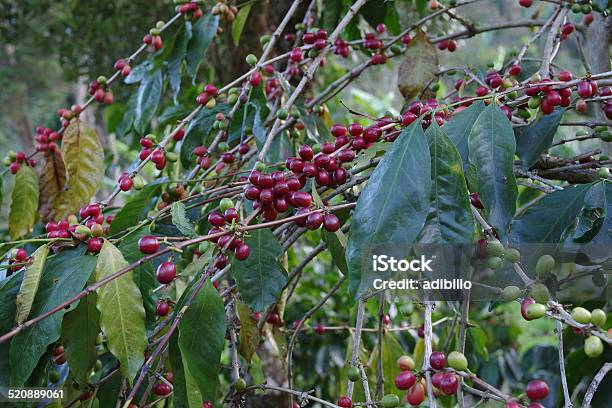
391	351
125	126
392	208
260	277
203	32
176	58
139	72
336	249
180	220
450	217
65	275
197	132
29	285
460	126
135	209
79	331
202	353
147	99
547	221
239	22
491	152
183	390
535	139
9	288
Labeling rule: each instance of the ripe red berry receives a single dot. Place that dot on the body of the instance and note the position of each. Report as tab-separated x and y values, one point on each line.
243	251
94	245
211	89
331	222
21	255
584	89
302	198
166	272
437	360
526	3
535	405
216	219
416	394
345	402
567	29
179	134
255	79
338	130
148	244
314	221
14	167
125	183
243	149
514	70
207	404
537	390
404	380
161	389
449	384
306	152
162	308
475	200
513	404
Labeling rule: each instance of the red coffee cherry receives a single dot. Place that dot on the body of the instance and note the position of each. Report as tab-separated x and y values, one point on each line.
94	245
537	390
148	244
416	394
345	402
437	360
449	384
331	222
404	380
162	389
216	219
162	308
314	221
166	272
242	252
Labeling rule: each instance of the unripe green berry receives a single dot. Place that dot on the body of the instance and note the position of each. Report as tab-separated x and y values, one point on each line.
251	59
212	102
260	166
545	265
390	401
226	204
102	80
171	157
295	112
239	385
264	39
396	49
494	262
603	172
511	293
232	99
138	182
540	293
300	27
223	147
598	317
353	374
83	229
512	255
593	346
535	311
581	315
457	361
282	114
97	230
606	136
580	133
152	137
154	31
160	24
495	248
534	102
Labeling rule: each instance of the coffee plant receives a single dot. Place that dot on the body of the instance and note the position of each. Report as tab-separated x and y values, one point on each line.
234	260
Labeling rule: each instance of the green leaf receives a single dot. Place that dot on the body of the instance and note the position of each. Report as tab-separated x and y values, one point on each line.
392	208
261	278
547	221
127	120
79	332
65	275
84	159
176	58
249	334
197	132
239	21
536	138
9	288
491	152
147	99
203	32
122	315
202	353
144	275
184	393
450	217
136	209
24	203
391	351
459	128
29	285
337	250
180	220
419	66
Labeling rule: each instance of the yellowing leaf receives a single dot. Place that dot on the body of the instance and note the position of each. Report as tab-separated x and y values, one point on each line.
84	160
419	66
29	284
122	314
24	204
52	181
249	334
